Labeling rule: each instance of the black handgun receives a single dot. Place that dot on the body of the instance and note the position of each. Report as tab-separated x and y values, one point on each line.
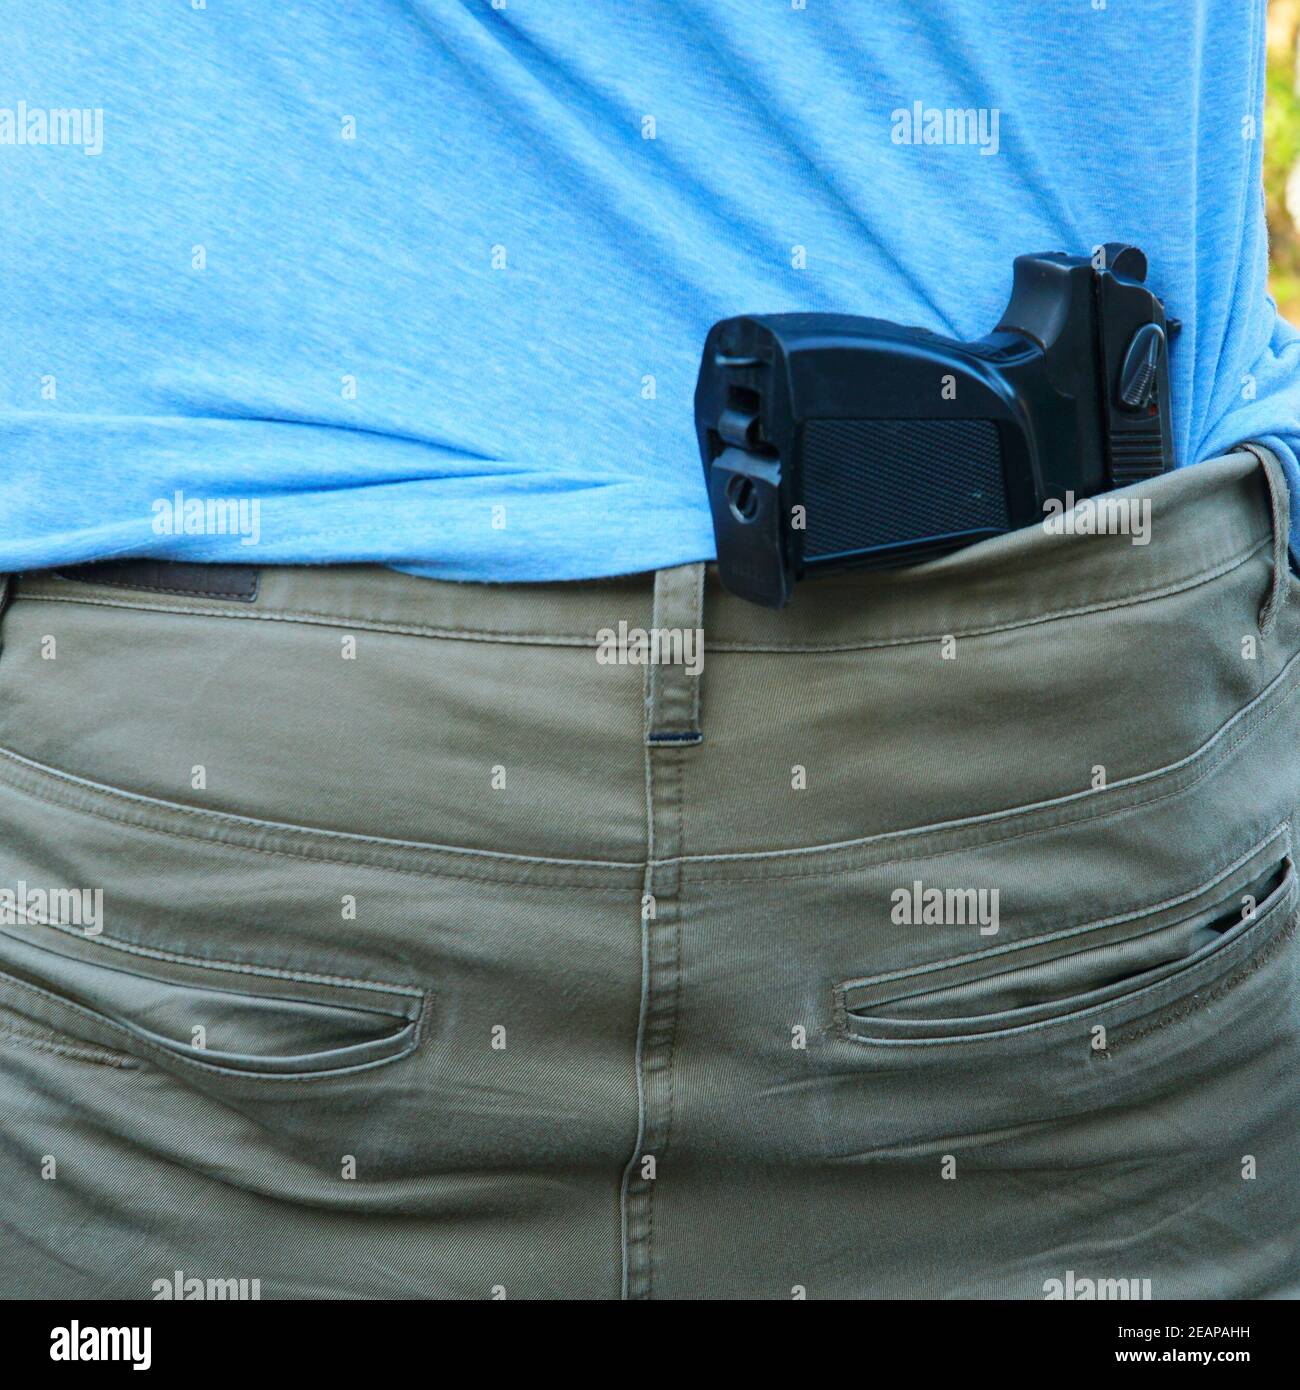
832	441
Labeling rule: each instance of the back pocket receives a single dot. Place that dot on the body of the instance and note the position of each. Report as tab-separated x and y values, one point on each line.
78	991
1117	968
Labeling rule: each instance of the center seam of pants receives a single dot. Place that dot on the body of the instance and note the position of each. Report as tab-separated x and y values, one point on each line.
672	731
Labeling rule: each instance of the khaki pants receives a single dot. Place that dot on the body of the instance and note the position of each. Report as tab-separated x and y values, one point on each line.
369	936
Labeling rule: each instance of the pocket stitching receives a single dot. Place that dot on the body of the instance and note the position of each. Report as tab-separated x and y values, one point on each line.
1185	774
229	821
69	1047
1190	1004
412	992
1245	945
413	1028
1097	924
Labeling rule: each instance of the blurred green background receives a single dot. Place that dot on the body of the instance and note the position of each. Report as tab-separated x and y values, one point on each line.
1282	155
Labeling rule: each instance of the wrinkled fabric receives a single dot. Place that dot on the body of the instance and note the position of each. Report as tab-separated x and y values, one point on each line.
934	937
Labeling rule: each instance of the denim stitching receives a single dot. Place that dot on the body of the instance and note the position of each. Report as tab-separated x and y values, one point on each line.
1242	717
1196	580
1246	944
81	1052
232	819
1197	1001
305	857
1254	710
1030	833
1143	910
414	1028
545	639
271	972
1279	510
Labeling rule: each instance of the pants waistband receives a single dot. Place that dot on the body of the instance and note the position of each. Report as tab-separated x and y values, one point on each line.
1200	521
1031	678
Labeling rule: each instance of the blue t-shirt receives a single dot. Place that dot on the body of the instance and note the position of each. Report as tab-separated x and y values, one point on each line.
425	282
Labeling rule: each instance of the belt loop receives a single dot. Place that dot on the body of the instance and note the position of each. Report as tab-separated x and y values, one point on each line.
676	657
1279	498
